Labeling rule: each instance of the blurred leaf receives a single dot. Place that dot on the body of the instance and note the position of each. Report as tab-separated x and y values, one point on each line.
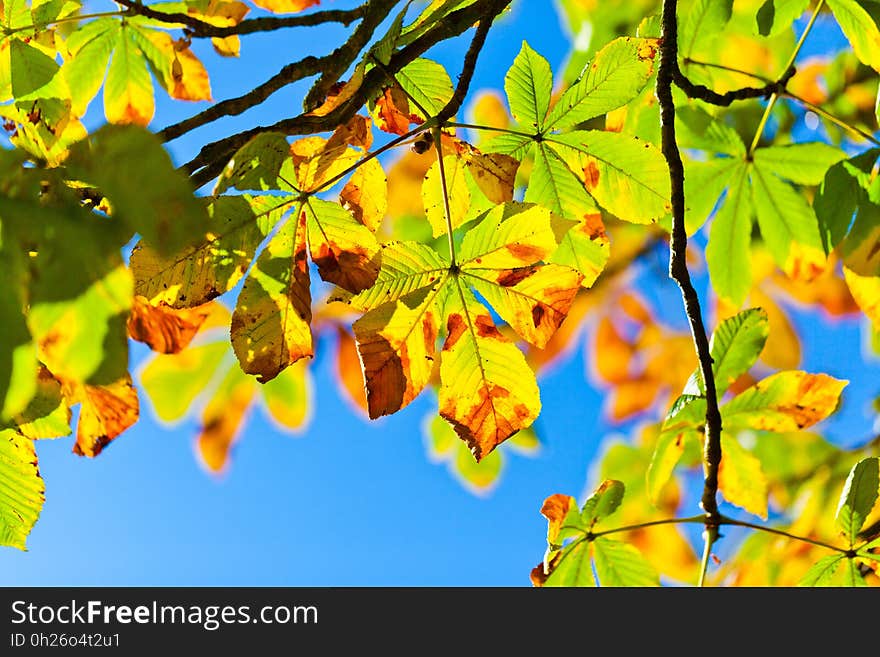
858	497
740	478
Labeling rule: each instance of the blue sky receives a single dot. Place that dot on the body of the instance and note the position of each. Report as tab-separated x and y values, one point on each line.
349	502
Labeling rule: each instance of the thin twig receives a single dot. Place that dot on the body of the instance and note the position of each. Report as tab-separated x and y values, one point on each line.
678	269
706	94
779	532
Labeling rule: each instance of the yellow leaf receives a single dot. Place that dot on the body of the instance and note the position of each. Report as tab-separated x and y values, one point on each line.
489	403
222	419
188	79
783	348
866	292
494	174
341	93
270	325
392	112
285	6
557	508
365	195
456	190
316	160
128	90
786	401
740	478
287	396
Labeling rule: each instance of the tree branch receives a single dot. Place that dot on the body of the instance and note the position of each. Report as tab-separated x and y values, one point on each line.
374	13
213	157
678	269
724	100
200	28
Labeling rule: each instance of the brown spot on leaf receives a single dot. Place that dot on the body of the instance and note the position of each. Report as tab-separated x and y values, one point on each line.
394	115
353	270
593	226
511	277
526	253
455	327
591	175
538	313
162	328
486	328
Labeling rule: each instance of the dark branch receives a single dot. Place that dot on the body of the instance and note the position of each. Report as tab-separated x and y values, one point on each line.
200	28
708	95
375	13
678	270
213	157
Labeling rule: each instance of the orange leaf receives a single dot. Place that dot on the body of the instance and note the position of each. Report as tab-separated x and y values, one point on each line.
285	6
348	368
105	412
612	353
556	508
188	77
222	420
163	328
393	113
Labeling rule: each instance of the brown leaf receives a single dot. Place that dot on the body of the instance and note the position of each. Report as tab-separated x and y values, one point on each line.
495	175
164	329
348	369
556	508
393	113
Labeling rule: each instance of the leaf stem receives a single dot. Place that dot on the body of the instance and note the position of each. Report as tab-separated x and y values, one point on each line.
729	69
474	126
779	532
828	116
438	136
652	523
775	96
67	19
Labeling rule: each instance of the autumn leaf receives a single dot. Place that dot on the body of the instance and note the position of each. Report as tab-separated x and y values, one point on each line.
22	491
105	412
285	6
162	328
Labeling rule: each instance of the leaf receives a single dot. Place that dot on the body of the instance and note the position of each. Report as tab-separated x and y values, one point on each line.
570	567
839	196
775	16
444	446
144	188
696	128
740	478
786	401
256	165
90	47
285	6
788	225
626	175
287	397
162	328
365	195
602	503
428	84
736	345
670	446
866	292
18	354
344	251
804	164
222	419
528	85
202	272
270	326
616	75
621	564
128	90
705	19
489	403
22	491
861	248
730	238
851	574
392	112
858	497
435	195
178	70
34	74
47	415
822	572
494	174
860	28
704	183
172	382
397	343
105	412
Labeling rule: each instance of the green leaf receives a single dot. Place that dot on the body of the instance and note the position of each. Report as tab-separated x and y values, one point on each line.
47	415
696	128
128	89
774	16
822	572
555	186
842	191
851	574
427	83
21	488
528	85
621	564
688	410
144	188
173	381
705	19
740	478
730	238
34	74
90	46
788	224
18	355
804	164
256	165
670	446
736	345
858	497
626	175
574	567
602	503
615	76
860	28
704	183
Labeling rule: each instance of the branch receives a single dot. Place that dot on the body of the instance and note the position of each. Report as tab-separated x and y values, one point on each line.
213	157
470	63
374	13
724	100
200	28
678	270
